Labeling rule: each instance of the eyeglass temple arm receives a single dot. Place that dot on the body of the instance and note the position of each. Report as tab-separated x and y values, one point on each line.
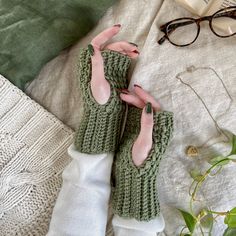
171	28
162	40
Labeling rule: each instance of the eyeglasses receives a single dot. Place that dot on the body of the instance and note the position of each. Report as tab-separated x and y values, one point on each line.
184	31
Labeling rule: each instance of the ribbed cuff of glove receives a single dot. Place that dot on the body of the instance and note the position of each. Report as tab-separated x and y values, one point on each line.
135	188
100	125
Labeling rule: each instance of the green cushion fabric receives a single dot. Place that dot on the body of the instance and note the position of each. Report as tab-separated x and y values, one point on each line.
33	32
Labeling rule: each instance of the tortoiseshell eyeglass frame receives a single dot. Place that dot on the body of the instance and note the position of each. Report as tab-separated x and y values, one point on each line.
170	26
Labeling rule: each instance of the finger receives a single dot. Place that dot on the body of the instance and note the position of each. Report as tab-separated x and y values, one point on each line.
143	143
146	123
126	48
122	46
132	99
132	55
100	87
105	35
146	97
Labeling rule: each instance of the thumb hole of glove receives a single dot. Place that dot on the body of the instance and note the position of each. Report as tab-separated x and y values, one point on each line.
143	143
100	87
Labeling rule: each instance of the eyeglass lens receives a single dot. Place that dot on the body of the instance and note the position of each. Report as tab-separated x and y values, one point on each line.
182	32
224	23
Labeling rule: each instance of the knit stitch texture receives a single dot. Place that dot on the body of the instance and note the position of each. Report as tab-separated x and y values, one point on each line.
100	126
33	154
135	188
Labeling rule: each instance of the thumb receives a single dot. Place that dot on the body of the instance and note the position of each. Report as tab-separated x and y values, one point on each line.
143	143
100	87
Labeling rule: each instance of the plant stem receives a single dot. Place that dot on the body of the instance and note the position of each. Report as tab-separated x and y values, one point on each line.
201	230
204	177
217	212
212	167
221	213
198	184
185	227
191	206
217	172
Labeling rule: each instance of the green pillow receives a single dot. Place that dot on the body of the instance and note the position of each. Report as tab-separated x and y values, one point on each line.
33	32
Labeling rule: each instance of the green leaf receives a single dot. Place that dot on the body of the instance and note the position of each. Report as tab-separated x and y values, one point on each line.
189	219
233	151
215	160
230	218
196	175
230	232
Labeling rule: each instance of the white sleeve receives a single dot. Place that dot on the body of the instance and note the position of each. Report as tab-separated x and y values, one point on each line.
132	227
82	204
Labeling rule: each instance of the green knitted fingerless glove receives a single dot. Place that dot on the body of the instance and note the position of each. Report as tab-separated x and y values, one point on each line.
135	188
100	125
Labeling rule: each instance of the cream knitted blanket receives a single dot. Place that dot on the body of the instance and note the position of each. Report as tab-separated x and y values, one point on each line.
33	146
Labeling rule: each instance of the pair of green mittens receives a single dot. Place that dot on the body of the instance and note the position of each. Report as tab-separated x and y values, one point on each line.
134	192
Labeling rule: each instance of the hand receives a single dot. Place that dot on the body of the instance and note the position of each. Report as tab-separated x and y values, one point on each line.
101	76
141	99
99	85
147	134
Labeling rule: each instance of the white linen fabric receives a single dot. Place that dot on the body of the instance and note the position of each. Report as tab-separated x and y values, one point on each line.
82	205
197	83
33	146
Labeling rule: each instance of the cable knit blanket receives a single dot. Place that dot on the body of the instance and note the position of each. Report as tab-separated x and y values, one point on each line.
33	154
197	83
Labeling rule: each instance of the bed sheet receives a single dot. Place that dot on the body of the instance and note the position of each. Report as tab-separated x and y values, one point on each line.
197	83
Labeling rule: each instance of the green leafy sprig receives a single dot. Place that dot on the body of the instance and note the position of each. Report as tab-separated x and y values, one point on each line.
206	217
